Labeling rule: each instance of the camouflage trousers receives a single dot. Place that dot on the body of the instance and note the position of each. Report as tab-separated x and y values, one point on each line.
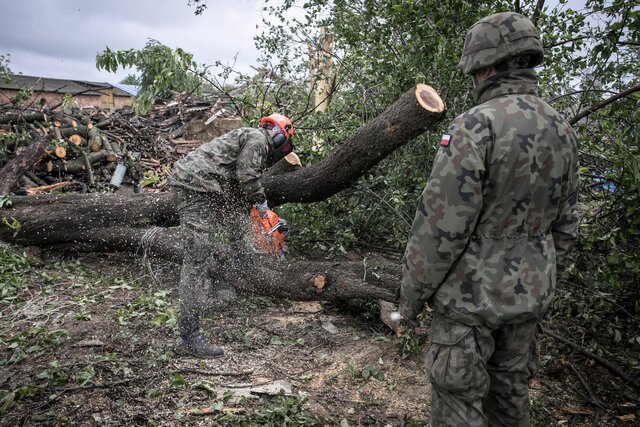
480	376
207	223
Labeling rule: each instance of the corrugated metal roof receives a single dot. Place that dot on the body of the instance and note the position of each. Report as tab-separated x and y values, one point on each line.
130	89
46	84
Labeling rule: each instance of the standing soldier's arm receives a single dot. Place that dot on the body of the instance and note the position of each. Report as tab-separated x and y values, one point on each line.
445	218
250	164
565	226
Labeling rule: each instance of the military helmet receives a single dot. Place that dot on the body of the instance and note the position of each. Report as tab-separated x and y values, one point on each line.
498	38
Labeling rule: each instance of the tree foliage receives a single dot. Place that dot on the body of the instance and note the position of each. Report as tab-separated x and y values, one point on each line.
5	71
161	68
382	47
131	79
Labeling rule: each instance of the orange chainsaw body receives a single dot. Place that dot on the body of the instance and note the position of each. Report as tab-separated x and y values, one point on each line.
267	237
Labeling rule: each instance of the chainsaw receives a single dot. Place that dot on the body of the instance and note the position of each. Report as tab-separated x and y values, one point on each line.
268	233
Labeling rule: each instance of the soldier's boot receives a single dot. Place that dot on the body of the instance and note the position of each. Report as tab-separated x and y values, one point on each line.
191	342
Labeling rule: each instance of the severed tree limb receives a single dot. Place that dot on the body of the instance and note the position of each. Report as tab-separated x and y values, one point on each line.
604	103
604	362
14	169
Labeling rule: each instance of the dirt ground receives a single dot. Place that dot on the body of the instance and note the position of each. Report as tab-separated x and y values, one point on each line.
89	340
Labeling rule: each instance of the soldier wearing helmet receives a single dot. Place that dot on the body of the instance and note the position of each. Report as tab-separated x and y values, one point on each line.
494	225
215	186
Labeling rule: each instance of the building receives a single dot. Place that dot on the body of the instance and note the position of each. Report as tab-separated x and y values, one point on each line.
51	91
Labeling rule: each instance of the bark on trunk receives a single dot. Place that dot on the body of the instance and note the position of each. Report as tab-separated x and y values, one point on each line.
297	280
13	171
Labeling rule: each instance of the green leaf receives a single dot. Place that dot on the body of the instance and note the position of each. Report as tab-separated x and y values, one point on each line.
177	380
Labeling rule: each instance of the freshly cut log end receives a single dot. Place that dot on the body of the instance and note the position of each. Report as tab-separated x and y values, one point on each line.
60	152
429	99
319	282
94	147
293	159
75	139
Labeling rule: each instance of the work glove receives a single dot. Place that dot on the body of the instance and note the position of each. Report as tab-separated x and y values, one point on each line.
262	208
284	227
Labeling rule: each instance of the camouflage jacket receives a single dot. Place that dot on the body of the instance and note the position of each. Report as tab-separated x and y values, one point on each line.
499	211
231	165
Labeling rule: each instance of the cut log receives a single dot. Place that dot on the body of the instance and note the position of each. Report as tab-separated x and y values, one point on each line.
79	130
30	117
76	139
81	164
60	152
95	139
111	155
14	169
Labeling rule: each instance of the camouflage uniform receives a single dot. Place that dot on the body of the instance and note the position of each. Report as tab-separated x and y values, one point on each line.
497	218
215	185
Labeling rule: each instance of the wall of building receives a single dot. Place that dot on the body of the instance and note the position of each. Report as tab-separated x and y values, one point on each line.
54	98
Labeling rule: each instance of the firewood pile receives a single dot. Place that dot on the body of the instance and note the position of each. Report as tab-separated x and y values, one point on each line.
102	150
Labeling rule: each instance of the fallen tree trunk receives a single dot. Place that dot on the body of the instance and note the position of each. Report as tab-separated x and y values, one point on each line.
74	218
401	122
299	280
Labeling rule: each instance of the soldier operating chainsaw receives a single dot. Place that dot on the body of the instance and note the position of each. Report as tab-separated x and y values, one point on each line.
215	186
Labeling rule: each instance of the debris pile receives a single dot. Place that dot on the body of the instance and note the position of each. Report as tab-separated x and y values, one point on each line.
107	150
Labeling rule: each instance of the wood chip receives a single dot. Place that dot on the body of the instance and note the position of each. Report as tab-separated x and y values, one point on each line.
329	327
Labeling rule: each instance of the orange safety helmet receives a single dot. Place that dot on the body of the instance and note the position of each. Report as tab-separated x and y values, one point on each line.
283	123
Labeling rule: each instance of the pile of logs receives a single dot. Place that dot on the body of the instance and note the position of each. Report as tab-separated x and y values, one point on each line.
87	150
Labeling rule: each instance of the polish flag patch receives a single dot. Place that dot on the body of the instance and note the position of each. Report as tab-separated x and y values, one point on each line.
445	140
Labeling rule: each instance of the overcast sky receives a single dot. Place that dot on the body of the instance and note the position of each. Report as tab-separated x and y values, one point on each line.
60	38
